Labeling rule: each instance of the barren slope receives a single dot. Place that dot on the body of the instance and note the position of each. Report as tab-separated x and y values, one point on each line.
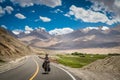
11	47
109	64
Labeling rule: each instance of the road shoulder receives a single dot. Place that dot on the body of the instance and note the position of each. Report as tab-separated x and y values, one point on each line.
12	64
91	75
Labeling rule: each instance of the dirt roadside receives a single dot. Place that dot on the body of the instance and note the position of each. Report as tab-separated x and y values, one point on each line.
92	75
12	64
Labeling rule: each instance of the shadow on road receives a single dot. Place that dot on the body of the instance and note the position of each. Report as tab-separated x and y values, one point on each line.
45	73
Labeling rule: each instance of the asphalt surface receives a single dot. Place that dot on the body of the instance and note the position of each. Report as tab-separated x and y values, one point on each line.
32	70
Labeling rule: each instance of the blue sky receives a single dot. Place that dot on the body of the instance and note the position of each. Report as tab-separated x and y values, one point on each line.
52	14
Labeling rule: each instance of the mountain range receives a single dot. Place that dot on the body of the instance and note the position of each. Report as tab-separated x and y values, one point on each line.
90	37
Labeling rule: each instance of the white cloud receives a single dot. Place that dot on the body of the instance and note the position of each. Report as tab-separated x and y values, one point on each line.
67	15
96	28
40	28
28	29
2	12
20	16
17	31
117	3
87	15
90	28
45	19
33	11
61	31
8	9
116	19
27	3
27	32
109	6
36	20
90	16
58	11
105	7
105	28
99	7
1	1
70	13
3	26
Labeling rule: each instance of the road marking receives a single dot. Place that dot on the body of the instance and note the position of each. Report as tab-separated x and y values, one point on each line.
67	73
36	72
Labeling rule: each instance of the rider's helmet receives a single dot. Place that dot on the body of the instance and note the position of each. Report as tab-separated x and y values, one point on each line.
46	55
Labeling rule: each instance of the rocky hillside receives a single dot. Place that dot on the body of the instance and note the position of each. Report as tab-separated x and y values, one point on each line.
109	64
11	47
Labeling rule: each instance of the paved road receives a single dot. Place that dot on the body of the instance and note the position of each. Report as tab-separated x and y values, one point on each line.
32	70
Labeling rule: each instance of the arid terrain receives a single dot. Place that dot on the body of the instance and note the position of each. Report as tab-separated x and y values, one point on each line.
12	48
59	39
105	69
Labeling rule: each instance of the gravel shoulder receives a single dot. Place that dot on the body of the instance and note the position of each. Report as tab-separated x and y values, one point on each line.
12	64
93	75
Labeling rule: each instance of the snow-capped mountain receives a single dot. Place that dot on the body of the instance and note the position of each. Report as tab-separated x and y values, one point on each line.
38	32
90	37
102	28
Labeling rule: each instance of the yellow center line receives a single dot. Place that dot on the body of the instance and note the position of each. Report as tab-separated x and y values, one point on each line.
36	72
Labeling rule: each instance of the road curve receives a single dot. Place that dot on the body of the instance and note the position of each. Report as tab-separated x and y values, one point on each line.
32	70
